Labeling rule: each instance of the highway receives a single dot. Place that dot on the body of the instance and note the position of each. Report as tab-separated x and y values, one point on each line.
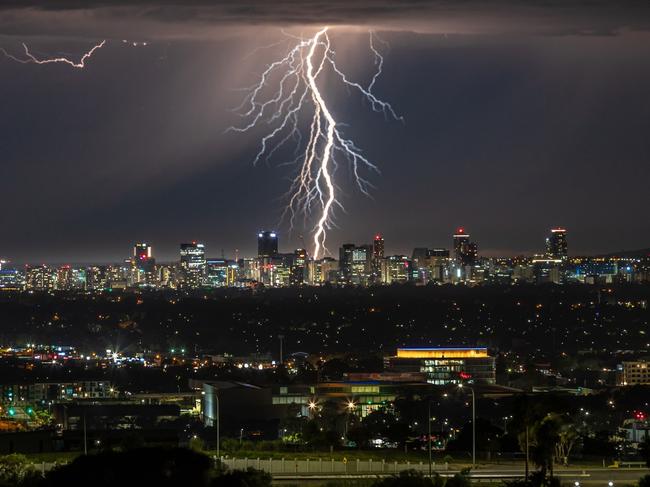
585	477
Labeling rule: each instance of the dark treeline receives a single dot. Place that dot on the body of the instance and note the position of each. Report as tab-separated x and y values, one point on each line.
540	321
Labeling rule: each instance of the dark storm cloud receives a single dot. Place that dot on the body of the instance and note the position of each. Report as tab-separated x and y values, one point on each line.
558	17
507	132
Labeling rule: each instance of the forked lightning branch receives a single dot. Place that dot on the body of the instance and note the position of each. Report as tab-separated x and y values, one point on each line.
289	90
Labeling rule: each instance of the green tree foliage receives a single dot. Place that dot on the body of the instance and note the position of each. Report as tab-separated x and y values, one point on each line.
644	481
458	480
15	470
243	478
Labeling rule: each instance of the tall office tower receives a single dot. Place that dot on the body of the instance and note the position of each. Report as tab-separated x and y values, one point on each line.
299	268
11	279
362	265
142	258
267	244
345	262
556	244
378	247
377	257
356	264
397	269
438	264
40	278
64	278
193	263
465	251
221	272
461	239
96	278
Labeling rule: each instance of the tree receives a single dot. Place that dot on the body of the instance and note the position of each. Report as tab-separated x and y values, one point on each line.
359	435
458	480
644	450
140	466
567	437
243	478
644	481
14	469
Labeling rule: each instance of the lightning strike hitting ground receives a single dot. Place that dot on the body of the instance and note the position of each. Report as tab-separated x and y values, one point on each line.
298	93
34	60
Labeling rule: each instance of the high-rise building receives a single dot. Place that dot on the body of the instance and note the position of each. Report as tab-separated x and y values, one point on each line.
11	279
397	269
431	264
556	244
299	268
193	263
267	243
96	278
142	257
40	278
220	272
64	278
323	270
465	251
377	257
355	263
461	240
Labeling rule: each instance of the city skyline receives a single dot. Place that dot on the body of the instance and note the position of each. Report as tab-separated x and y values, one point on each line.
251	248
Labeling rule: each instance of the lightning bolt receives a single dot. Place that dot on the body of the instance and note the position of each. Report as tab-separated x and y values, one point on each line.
34	60
298	93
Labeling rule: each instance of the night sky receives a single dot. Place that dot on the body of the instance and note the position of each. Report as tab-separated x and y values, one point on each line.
518	117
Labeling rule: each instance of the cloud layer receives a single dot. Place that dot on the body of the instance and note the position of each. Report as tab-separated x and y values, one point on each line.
182	18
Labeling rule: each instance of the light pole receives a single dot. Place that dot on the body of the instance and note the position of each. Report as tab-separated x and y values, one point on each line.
215	393
429	429
350	406
85	436
473	424
312	408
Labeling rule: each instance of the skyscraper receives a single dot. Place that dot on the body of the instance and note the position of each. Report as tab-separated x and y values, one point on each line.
556	244
377	257
355	263
267	243
193	263
142	258
299	267
461	239
345	262
465	251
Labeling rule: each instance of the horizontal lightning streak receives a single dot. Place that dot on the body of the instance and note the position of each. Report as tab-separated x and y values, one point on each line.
31	59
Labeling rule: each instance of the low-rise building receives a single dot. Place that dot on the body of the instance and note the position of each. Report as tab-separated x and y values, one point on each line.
634	373
444	366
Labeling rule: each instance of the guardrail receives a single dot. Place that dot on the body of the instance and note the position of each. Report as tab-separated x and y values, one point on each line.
324	466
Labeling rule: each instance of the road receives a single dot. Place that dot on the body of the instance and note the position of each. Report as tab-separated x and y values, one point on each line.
586	477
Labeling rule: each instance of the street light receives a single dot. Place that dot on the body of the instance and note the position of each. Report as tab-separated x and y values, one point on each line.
429	423
349	407
215	393
473	424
